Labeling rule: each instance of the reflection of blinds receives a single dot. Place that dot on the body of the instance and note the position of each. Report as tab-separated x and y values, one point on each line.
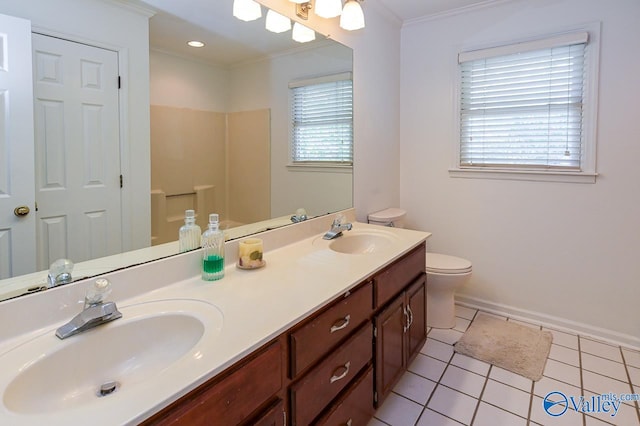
523	108
322	120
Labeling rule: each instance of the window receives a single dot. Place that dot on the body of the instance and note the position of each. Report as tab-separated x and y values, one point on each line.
322	121
523	108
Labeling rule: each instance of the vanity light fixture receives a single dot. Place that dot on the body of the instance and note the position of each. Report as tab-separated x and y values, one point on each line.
328	8
302	34
352	17
277	23
246	10
195	43
302	10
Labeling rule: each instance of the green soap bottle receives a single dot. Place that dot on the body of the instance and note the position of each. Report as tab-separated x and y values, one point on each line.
212	251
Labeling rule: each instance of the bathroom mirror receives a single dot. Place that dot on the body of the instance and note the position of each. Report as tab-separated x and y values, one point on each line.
247	54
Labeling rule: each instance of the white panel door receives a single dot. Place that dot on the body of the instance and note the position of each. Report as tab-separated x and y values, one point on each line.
77	150
17	233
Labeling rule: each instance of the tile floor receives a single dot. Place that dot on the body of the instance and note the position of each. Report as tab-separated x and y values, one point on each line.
443	388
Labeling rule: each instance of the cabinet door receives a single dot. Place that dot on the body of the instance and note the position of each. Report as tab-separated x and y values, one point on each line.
390	347
416	308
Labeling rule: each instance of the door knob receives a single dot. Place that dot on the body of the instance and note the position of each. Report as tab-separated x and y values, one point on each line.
21	211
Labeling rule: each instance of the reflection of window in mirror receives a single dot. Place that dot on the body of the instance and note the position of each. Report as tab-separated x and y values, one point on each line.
322	121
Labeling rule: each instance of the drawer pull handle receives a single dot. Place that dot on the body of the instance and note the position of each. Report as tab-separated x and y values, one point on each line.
406	325
342	375
343	323
410	316
349	422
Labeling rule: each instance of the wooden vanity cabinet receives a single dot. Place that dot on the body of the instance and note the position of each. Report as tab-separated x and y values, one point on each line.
400	322
247	393
332	368
400	332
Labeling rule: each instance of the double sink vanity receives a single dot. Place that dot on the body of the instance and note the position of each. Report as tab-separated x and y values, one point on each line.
318	336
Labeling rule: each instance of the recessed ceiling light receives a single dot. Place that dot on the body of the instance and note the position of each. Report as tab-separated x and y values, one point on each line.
195	43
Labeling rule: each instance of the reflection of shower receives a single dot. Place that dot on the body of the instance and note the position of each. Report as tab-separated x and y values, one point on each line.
209	162
167	211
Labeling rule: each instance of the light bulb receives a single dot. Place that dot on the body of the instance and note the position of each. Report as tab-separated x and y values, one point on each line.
246	10
277	23
328	8
302	34
352	17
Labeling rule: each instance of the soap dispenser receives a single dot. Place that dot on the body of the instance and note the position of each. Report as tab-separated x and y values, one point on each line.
189	232
212	251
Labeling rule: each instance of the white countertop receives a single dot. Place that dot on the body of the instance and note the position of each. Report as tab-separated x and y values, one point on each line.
256	305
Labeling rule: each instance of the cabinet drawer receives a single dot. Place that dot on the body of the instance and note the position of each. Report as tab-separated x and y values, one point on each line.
231	399
318	388
273	416
392	280
317	336
355	407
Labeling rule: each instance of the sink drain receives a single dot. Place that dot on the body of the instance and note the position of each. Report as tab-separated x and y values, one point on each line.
108	388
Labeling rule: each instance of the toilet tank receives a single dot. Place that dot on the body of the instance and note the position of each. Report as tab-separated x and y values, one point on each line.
388	217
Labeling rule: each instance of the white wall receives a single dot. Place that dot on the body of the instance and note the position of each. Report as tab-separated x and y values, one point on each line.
185	83
124	29
567	251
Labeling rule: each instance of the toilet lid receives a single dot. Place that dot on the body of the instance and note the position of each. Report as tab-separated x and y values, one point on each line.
387	215
445	264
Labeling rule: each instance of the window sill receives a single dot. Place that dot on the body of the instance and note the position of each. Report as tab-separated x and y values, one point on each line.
324	168
527	175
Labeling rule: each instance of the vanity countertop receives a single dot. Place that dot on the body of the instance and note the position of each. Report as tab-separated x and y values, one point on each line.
256	306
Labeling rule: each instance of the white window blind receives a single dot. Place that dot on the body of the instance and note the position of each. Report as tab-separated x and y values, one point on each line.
521	106
322	120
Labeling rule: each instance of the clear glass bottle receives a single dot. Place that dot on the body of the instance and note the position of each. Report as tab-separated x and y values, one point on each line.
189	232
212	251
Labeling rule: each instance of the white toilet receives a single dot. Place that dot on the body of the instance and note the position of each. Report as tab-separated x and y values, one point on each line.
445	274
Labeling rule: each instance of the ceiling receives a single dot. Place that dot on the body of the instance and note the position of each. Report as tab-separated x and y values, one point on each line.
412	9
233	41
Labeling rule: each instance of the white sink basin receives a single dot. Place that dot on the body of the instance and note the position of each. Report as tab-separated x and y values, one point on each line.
364	241
151	339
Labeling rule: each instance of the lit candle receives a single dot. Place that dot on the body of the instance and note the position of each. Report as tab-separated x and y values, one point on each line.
250	253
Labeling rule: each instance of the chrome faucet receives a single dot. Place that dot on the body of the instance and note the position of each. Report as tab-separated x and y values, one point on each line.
300	216
336	228
95	312
60	273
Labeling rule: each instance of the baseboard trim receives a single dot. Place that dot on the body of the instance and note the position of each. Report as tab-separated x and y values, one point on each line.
550	321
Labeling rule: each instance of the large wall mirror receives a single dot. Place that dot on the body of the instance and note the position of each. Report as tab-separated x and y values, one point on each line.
219	125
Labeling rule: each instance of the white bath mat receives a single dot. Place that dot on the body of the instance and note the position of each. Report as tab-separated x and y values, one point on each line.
514	347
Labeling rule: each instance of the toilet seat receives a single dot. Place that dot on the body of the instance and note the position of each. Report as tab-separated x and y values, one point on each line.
444	264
